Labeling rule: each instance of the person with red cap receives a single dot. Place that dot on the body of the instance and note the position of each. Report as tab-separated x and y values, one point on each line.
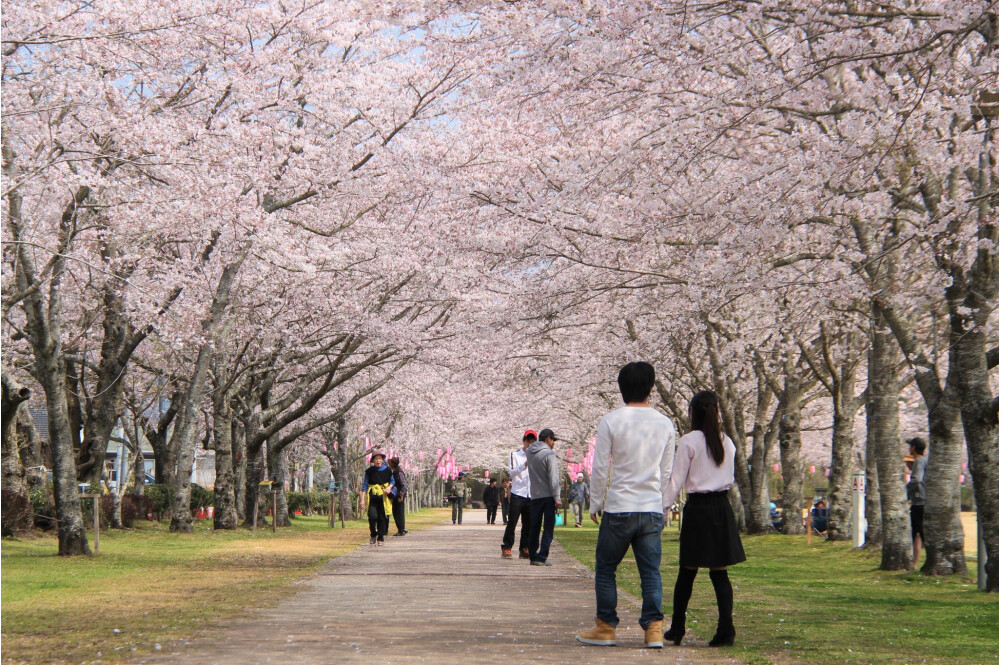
520	498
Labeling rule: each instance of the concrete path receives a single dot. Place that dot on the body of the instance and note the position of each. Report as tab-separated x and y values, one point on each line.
440	595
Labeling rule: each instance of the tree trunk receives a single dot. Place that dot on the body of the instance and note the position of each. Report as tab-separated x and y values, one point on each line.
764	437
43	325
970	321
254	475
873	503
225	490
790	444
239	469
883	388
11	466
845	409
276	469
184	431
944	537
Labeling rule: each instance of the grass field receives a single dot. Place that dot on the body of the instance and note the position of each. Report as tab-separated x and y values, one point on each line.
825	603
153	586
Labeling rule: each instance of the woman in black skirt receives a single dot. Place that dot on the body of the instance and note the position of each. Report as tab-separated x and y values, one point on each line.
703	465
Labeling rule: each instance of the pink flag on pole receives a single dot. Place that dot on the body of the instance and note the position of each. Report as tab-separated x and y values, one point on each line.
776	467
812	469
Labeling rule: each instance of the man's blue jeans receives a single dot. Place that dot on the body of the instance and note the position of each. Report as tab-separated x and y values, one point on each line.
618	531
543	527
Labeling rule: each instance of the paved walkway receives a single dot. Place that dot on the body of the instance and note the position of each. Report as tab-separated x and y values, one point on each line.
440	595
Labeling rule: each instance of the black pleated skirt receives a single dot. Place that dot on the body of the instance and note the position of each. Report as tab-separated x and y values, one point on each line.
709	535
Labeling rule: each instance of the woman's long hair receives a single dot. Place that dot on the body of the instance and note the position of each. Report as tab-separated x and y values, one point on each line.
705	417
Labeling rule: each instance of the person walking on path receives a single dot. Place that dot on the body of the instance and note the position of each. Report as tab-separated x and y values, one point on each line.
916	492
633	455
520	498
543	469
379	486
578	495
703	465
399	503
457	498
491	498
505	499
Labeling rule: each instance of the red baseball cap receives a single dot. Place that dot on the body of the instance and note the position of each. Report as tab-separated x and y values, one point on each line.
530	432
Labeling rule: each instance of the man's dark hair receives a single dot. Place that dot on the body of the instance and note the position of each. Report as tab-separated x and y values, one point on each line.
636	380
918	444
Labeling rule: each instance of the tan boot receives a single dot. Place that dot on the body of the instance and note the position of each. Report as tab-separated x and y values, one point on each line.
601	635
654	635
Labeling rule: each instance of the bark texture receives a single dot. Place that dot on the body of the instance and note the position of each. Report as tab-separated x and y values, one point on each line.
883	388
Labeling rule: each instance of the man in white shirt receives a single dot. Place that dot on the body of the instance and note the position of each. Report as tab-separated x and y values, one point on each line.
520	498
635	450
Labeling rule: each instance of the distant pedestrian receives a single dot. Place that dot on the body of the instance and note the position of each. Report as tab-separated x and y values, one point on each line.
578	495
704	465
459	495
491	499
520	498
399	503
543	468
632	458
378	486
505	499
916	492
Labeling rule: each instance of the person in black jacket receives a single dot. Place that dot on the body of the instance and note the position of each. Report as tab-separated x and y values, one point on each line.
379	485
399	503
491	497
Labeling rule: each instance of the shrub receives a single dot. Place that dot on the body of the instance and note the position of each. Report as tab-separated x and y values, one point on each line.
201	497
43	506
15	513
160	496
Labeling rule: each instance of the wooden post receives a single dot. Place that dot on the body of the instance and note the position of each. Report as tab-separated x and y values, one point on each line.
97	524
274	511
333	512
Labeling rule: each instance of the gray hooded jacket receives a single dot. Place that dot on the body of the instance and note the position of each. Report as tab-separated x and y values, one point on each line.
543	469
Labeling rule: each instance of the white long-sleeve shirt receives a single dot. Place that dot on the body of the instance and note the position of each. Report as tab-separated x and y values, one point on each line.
520	483
632	459
695	470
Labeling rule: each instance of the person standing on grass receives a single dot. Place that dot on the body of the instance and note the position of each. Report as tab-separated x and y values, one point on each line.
378	486
632	459
399	503
457	498
543	468
916	492
578	495
709	538
520	498
505	499
491	499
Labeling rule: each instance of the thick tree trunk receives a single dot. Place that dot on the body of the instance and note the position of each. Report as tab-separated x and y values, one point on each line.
43	324
845	411
969	338
11	466
239	469
873	501
883	388
790	444
183	439
279	474
944	537
764	437
225	490
255	474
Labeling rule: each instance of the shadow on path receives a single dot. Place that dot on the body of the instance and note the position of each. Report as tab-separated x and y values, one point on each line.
439	595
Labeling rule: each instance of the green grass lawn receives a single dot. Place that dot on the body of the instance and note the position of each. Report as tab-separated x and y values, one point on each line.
153	586
825	603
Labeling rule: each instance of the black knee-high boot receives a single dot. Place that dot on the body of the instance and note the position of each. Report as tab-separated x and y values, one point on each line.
725	633
682	594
